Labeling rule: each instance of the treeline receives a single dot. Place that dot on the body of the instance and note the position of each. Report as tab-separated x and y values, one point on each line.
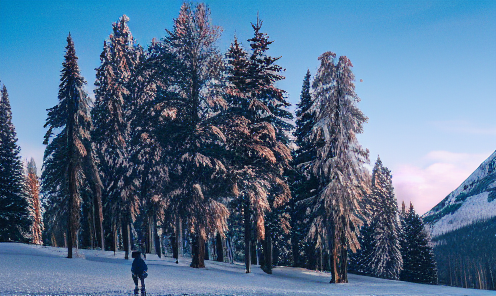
188	145
466	256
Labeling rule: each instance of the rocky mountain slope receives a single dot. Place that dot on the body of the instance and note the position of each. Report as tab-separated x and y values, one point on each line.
474	200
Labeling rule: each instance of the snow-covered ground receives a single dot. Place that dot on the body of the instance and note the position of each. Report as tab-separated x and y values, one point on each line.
35	270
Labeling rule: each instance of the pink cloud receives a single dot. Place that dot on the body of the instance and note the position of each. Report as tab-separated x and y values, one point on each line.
433	177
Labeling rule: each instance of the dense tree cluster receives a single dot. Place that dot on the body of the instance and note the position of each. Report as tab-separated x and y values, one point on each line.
187	150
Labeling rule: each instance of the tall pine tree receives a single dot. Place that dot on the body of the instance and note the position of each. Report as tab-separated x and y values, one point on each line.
256	131
197	173
339	162
304	183
67	152
14	219
111	131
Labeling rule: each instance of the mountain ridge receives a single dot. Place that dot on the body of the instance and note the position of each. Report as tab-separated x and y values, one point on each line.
473	201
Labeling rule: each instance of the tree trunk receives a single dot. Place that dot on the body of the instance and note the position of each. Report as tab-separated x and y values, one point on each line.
114	234
98	208
71	221
156	237
179	238
267	249
335	278
174	246
295	248
198	251
125	238
220	249
247	218
254	252
321	261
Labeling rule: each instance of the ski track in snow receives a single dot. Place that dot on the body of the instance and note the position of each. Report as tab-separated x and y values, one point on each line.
36	270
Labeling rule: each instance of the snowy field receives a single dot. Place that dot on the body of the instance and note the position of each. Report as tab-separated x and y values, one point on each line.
35	270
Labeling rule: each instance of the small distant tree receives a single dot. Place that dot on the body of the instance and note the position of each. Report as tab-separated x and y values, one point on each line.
66	152
33	188
419	265
14	218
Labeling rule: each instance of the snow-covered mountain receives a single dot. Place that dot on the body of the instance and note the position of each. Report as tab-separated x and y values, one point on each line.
474	200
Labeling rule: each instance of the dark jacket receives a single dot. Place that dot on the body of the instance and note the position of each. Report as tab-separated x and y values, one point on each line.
139	266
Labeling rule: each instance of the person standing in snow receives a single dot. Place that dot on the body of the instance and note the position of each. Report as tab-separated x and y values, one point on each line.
139	270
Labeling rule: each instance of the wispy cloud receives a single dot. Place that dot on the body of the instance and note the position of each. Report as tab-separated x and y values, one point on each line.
464	127
433	177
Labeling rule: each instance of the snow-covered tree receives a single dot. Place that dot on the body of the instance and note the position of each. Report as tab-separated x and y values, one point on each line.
195	143
385	259
33	189
419	265
14	220
256	138
339	162
68	151
111	130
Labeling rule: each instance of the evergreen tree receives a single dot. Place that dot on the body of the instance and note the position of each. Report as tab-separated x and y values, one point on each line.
195	143
256	133
14	219
33	189
419	265
304	185
385	258
339	161
68	151
111	131
360	261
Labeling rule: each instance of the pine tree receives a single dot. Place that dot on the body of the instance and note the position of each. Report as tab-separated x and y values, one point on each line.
385	261
256	138
111	131
33	189
14	220
304	182
197	173
360	261
419	265
339	162
69	150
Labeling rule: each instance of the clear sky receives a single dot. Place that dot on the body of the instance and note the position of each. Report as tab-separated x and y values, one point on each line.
428	69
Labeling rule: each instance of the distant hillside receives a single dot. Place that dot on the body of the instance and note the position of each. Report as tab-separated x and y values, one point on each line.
466	257
463	230
474	200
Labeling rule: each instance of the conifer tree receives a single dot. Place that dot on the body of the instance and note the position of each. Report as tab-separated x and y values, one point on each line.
419	265
256	138
33	189
14	220
304	183
67	152
111	131
339	161
385	258
196	169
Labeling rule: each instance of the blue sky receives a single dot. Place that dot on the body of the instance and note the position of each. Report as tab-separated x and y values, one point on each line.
428	70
